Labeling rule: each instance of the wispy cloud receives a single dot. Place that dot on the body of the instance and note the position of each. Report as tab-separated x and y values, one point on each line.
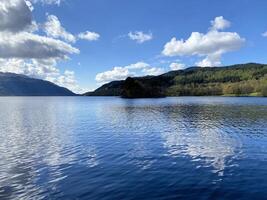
140	37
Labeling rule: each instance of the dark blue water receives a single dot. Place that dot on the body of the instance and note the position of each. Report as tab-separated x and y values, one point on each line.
112	148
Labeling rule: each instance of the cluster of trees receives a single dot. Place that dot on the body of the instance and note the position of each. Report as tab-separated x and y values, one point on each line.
244	88
249	80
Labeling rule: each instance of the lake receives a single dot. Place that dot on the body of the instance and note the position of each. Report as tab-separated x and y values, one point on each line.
112	148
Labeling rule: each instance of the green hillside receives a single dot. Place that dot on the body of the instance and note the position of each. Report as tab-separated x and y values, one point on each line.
236	80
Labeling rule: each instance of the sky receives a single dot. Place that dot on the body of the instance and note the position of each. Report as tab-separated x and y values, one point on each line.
82	44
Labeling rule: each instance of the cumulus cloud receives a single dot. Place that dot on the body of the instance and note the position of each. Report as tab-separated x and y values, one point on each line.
210	60
41	69
121	73
204	44
15	15
90	36
177	66
23	51
117	73
28	45
219	23
45	69
53	28
153	71
211	45
68	80
24	43
140	37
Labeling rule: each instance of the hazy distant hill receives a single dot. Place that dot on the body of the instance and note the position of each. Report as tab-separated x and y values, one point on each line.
20	85
236	80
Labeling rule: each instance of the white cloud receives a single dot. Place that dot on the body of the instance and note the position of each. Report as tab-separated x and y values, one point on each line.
15	15
29	4
204	44
53	28
264	34
28	45
45	69
138	65
211	45
23	43
153	71
210	60
121	73
177	66
140	37
219	23
49	2
90	36
24	52
68	80
117	73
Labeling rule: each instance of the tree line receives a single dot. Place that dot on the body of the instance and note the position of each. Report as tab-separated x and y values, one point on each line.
247	80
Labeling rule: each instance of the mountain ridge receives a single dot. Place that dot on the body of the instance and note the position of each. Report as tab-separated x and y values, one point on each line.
248	79
12	84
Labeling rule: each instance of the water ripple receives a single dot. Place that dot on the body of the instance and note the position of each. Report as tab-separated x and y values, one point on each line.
112	148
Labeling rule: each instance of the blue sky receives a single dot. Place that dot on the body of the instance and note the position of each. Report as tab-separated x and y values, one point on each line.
160	21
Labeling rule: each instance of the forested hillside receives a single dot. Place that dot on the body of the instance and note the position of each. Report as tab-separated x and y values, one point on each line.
249	79
236	80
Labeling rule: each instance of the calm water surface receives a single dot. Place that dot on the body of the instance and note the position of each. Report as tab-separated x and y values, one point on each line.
112	148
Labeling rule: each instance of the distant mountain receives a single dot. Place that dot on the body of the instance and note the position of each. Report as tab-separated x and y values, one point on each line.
235	80
20	85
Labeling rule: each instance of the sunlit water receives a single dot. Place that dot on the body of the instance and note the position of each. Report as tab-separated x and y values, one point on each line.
112	148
